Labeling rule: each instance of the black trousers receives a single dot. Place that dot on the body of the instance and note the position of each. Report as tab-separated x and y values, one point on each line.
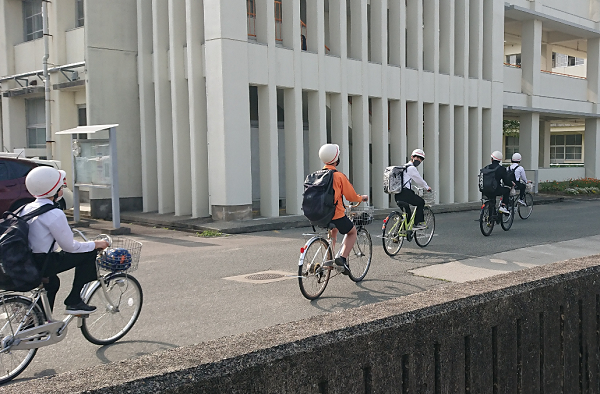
409	196
501	191
85	271
521	187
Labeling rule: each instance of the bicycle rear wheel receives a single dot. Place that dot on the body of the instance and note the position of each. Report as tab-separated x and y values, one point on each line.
313	276
423	237
486	222
507	219
359	260
13	310
392	240
113	319
525	211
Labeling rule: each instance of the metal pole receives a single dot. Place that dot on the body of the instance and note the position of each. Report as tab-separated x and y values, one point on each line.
116	210
47	80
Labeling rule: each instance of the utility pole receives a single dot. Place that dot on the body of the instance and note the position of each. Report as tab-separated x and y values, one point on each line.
47	79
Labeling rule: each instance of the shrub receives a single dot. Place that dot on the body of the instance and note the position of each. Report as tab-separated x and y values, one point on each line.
571	186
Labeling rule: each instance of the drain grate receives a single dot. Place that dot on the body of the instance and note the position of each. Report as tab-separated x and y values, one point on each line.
264	276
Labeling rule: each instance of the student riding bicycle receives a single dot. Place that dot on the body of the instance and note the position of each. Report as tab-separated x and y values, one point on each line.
330	156
520	178
503	189
51	228
407	195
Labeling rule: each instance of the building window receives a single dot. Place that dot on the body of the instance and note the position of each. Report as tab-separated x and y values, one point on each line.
36	123
79	17
566	148
82	120
511	145
278	21
251	10
513	60
560	60
32	19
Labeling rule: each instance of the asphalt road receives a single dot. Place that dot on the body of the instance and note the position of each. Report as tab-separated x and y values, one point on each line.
187	298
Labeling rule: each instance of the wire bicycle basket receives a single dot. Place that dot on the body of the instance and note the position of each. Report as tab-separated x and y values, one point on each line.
123	255
361	215
429	197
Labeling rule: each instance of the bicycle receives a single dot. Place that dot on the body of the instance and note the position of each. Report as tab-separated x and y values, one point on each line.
489	215
26	321
397	226
317	255
524	210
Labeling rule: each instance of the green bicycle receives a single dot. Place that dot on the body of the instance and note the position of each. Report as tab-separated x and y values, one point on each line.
397	226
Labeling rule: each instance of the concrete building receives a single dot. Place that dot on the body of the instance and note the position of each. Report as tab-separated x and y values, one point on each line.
223	105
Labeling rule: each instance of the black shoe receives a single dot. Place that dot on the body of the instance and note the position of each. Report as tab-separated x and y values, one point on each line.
341	261
80	309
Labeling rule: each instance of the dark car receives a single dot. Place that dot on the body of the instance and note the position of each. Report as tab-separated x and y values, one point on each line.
13	192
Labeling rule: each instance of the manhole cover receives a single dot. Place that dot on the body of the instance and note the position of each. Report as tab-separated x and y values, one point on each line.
264	276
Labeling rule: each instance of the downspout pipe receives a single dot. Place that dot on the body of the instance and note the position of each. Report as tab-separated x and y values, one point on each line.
47	79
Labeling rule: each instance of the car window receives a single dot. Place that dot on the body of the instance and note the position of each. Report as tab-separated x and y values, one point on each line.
3	172
19	169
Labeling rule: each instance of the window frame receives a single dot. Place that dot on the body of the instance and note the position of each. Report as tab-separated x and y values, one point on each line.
562	148
29	14
79	13
36	126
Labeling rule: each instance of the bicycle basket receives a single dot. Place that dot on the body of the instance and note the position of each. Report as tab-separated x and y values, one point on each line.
429	197
529	187
361	215
122	255
514	192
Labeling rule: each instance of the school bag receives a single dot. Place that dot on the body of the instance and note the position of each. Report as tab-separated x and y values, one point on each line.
511	176
393	178
318	198
488	184
18	271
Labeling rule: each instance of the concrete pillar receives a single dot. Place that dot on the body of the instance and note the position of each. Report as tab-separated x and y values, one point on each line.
378	35
317	127
360	144
593	70
446	37
592	147
147	112
379	151
356	27
414	127
474	152
396	33
268	148
197	108
546	62
431	145
290	26
294	152
180	109
461	38
227	92
544	159
162	104
529	143
531	54
339	128
461	156
475	39
446	155
414	38
397	135
336	33
431	26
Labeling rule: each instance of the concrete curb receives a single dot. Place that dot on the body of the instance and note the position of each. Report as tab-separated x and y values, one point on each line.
189	224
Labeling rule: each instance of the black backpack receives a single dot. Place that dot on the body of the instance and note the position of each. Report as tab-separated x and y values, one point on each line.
511	176
318	198
18	271
488	184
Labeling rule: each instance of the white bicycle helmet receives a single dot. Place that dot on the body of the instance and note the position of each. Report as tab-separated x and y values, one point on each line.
516	157
497	155
418	152
43	181
329	153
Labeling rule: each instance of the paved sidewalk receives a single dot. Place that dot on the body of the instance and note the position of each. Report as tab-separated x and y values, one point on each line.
187	223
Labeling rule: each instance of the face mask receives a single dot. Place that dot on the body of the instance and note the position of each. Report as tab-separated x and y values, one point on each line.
416	163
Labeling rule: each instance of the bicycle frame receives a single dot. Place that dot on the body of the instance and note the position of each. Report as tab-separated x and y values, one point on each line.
314	236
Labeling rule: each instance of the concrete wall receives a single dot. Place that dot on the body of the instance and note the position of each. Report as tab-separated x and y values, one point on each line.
529	331
560	173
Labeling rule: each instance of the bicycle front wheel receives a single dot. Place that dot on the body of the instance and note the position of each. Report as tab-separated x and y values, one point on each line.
313	275
118	309
392	240
507	219
486	221
359	260
525	211
423	237
13	311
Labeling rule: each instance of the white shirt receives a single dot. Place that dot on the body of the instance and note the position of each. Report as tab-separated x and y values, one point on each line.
50	226
412	174
519	172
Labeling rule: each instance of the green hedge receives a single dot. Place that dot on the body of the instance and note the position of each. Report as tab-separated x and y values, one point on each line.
571	186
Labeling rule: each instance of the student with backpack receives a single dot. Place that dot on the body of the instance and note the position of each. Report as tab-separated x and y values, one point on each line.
407	195
494	182
50	229
517	175
336	215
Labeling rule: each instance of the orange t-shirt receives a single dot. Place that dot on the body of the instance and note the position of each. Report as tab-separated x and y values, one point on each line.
342	187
